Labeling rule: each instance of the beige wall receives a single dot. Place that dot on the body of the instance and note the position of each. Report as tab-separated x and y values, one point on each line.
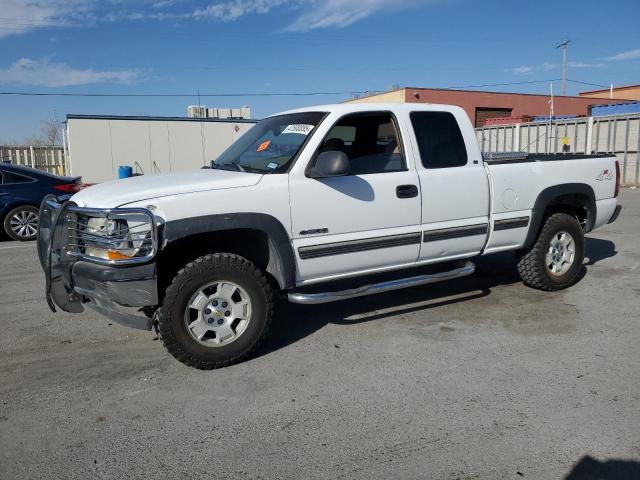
397	96
621	93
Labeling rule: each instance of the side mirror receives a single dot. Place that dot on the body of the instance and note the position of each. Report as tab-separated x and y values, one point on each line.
330	164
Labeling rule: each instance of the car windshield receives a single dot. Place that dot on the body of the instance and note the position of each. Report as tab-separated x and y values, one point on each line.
271	145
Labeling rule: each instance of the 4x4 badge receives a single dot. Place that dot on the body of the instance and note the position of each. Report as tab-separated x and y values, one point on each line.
605	175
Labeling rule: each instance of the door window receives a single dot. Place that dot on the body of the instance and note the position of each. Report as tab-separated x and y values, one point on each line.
9	177
370	140
439	139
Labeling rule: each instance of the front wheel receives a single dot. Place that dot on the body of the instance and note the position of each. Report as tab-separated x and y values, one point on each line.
555	260
216	311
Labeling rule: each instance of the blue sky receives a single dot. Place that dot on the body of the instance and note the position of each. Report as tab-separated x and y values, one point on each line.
241	46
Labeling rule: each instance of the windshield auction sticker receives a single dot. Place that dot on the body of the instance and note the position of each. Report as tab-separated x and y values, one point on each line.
263	146
300	128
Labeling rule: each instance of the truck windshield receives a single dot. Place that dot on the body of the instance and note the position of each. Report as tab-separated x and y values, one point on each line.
271	145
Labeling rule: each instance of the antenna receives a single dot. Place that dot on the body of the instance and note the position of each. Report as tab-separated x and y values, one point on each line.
563	45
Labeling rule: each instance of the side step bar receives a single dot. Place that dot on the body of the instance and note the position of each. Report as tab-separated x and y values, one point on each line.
326	297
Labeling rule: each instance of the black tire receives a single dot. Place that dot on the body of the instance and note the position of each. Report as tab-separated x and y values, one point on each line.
26	210
170	316
532	265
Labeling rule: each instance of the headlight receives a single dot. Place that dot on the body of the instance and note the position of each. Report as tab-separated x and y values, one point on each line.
112	236
109	239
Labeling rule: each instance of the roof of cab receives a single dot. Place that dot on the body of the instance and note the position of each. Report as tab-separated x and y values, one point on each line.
342	108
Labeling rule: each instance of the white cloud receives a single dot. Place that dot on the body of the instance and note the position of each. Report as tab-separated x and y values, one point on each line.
584	65
42	72
342	13
628	55
20	16
522	70
235	9
164	3
548	67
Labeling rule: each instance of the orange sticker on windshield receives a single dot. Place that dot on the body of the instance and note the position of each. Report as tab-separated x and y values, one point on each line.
263	146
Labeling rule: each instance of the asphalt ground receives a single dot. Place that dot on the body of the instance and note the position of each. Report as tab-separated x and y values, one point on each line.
477	378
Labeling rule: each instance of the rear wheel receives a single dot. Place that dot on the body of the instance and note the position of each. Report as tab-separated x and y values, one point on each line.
216	312
21	223
555	260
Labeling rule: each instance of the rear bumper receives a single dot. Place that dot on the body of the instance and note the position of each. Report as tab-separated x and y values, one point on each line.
616	213
72	283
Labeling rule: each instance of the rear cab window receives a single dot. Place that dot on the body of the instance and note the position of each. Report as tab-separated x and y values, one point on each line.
440	141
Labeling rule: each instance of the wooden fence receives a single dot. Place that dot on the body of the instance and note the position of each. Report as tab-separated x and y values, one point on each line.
47	158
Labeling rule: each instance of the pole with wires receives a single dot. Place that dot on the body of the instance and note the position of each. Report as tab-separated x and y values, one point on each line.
563	45
550	124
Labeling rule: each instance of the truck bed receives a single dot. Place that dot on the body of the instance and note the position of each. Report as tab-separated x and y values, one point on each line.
518	179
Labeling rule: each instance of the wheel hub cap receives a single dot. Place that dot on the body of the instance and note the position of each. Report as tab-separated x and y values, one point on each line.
561	253
24	223
218	313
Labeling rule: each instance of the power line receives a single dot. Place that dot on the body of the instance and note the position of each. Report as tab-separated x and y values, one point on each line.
588	83
501	84
270	94
182	95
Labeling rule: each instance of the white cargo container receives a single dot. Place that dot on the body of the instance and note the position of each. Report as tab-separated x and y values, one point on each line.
97	145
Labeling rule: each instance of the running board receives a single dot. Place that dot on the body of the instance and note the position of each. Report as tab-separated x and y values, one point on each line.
326	297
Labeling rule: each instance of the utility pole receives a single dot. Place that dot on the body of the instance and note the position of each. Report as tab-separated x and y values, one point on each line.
550	124
563	45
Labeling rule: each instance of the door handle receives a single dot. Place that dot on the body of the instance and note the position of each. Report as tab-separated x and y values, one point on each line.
406	191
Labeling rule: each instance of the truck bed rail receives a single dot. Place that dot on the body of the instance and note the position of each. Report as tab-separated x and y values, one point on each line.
496	158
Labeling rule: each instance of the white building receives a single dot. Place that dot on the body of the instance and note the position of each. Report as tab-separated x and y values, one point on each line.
98	145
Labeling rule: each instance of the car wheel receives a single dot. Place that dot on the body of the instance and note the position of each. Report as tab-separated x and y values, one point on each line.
556	258
21	223
216	311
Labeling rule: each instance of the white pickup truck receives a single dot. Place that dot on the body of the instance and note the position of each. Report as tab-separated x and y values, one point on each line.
304	200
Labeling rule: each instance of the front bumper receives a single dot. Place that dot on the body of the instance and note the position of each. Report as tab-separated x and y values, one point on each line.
72	281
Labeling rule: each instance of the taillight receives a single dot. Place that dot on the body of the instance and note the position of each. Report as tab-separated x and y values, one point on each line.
70	187
617	191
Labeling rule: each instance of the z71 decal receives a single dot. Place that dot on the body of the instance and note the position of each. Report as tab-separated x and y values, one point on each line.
605	174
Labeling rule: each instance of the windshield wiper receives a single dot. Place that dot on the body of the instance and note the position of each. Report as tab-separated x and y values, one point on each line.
237	166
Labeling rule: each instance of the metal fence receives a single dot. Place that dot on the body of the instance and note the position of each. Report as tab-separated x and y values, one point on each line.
616	134
48	158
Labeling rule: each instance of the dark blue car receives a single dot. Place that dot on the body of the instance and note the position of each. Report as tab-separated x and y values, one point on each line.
21	191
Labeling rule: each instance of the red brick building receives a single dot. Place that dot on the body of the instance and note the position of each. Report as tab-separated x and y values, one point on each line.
482	105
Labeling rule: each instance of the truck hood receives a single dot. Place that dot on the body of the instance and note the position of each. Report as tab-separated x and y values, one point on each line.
136	189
